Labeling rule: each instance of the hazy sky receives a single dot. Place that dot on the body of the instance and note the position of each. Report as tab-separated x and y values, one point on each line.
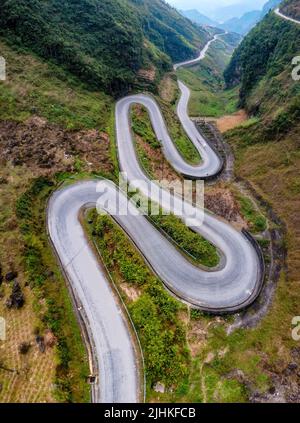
206	5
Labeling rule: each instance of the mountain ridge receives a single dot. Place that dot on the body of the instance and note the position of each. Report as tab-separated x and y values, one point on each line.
104	43
262	66
239	24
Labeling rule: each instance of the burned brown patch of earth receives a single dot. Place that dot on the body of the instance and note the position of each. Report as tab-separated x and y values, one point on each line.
46	149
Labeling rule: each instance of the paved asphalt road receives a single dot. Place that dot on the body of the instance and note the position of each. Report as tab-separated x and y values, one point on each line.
231	286
201	54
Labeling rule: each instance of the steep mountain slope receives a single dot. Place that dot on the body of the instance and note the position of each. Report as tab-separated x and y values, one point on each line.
168	30
291	8
205	79
246	22
103	42
66	129
263	66
51	125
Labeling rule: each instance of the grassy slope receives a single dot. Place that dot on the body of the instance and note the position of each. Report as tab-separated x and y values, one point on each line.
267	154
273	169
263	64
142	127
35	87
169	31
246	350
201	250
71	367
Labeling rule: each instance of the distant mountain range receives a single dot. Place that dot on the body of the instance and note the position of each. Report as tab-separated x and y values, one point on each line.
223	14
195	16
244	24
240	24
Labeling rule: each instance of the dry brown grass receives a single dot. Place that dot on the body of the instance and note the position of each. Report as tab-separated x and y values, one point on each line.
225	123
33	374
274	169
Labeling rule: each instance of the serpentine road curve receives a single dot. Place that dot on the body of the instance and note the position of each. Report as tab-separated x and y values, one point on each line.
230	287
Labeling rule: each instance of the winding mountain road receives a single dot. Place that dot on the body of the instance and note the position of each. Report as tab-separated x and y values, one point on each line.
230	287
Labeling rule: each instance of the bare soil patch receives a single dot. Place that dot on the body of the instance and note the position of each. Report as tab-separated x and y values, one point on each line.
159	166
228	122
47	149
168	89
147	74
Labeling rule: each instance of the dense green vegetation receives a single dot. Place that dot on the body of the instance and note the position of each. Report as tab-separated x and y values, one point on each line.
273	169
46	281
141	126
267	155
198	248
264	55
169	30
255	219
154	313
103	42
184	145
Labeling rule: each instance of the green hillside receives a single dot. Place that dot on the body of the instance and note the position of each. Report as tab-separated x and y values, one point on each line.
263	66
103	42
